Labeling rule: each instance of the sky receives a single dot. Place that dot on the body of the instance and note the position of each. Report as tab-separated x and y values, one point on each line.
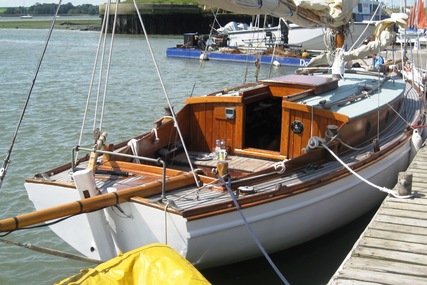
17	3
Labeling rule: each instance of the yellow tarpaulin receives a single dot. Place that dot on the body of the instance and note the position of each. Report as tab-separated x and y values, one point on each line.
151	264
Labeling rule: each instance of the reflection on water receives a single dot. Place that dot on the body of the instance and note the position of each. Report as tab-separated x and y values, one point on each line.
312	263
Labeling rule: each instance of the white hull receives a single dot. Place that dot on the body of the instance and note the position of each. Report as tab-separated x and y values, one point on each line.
223	239
307	38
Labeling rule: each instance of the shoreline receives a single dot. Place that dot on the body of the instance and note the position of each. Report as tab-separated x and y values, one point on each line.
72	23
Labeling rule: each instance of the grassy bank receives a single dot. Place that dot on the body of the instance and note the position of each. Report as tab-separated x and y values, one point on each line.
46	24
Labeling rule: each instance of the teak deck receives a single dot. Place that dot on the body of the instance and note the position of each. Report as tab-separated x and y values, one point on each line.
234	162
393	248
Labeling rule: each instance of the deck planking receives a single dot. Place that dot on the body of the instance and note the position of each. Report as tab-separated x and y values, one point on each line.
393	247
241	163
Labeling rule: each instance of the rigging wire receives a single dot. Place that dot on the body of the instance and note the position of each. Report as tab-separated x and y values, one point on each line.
205	51
274	49
101	68
7	160
92	79
107	76
51	251
166	93
366	27
250	230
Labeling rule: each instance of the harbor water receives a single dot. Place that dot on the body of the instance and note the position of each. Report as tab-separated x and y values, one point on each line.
135	99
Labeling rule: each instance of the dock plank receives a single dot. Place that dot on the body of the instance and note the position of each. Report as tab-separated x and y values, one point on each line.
390	256
394	235
393	248
379	265
398	228
394	245
357	275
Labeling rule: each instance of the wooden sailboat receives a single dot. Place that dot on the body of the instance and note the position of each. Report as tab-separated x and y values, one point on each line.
302	155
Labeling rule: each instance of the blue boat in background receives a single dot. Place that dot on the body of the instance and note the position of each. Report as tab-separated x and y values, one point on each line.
194	53
195	47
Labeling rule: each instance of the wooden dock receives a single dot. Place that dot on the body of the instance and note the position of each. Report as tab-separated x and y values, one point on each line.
393	247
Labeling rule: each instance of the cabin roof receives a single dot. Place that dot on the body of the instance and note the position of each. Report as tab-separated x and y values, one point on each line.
318	84
340	100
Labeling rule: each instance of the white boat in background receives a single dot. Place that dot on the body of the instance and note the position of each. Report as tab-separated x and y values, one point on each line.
263	35
290	35
298	156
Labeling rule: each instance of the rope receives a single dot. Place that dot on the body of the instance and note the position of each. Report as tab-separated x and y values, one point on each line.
366	27
274	52
382	189
51	251
7	160
165	92
133	143
251	232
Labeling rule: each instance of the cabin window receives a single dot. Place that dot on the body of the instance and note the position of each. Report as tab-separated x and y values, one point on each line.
263	124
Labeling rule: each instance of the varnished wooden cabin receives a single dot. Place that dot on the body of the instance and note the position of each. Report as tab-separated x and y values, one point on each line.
272	119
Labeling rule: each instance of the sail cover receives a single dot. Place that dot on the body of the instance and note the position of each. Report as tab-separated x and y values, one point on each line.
307	13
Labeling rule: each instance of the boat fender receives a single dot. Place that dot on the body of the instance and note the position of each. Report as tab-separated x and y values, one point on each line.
416	142
203	56
276	63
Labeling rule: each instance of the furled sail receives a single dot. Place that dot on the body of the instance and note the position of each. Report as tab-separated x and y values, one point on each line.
307	13
383	36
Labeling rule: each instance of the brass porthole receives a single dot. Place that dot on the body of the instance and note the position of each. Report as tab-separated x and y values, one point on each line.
297	127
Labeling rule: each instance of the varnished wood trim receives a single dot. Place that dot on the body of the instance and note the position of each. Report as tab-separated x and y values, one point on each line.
316	111
213	99
262	153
